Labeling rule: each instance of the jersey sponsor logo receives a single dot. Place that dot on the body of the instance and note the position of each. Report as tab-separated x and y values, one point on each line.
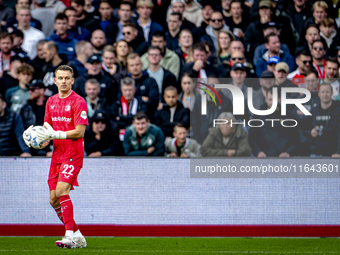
70	49
83	115
61	119
67	107
52	107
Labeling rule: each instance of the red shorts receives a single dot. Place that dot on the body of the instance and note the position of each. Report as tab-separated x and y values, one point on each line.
63	172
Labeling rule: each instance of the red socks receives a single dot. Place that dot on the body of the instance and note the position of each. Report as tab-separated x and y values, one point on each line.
59	213
67	212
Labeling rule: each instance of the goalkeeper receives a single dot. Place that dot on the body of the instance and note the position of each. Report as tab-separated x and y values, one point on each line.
65	121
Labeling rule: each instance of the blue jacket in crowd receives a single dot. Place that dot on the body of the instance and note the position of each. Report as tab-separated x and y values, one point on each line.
65	46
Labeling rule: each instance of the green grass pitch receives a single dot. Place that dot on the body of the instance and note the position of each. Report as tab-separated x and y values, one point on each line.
160	245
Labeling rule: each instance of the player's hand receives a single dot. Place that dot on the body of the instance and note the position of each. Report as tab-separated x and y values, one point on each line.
26	136
49	133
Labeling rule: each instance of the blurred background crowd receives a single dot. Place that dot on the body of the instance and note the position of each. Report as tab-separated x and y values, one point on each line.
140	65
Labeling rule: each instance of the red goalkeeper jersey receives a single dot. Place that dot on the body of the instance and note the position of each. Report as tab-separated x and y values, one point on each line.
64	114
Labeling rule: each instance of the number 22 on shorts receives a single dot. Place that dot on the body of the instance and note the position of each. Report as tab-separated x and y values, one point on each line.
68	169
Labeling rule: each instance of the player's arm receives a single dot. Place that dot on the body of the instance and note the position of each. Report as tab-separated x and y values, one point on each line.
50	134
76	133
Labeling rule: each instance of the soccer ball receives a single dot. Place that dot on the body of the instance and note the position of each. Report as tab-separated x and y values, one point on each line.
36	143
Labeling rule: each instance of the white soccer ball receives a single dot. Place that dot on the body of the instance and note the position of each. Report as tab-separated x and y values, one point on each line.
36	143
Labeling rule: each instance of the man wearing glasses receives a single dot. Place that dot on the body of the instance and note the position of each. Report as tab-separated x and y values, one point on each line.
304	63
318	53
216	24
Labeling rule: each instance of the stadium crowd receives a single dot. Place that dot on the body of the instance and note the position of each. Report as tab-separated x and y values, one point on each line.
137	63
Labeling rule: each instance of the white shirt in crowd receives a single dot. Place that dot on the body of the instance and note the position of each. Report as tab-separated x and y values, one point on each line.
31	38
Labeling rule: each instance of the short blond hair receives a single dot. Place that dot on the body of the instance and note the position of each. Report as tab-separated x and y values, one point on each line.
147	3
321	4
18	9
133	55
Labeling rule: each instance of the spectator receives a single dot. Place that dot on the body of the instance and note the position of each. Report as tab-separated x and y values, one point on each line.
216	24
53	61
146	87
179	6
93	67
31	35
5	14
6	45
226	140
38	100
64	40
225	4
312	34
318	55
281	73
323	129
109	65
237	23
93	101
11	130
144	9
193	12
328	32
236	45
91	10
172	113
114	31
44	15
56	6
18	96
174	25
225	37
272	139
9	79
184	52
297	13
272	61
84	50
127	106
304	62
254	35
331	70
143	138
163	77
122	50
200	67
136	42
189	94
98	41
320	9
207	10
39	61
201	123
273	46
312	84
18	40
170	61
106	14
267	81
79	33
84	19
12	23
101	136
180	145
159	12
